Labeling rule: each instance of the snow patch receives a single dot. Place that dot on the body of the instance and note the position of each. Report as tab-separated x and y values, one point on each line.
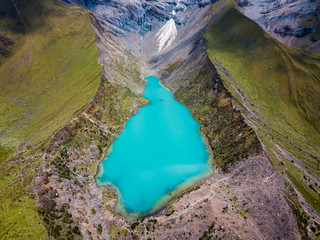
166	35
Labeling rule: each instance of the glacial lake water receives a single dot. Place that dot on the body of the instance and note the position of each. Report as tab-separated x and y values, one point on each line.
159	151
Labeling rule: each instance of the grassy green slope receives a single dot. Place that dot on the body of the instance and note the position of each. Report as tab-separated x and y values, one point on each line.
51	74
19	218
281	86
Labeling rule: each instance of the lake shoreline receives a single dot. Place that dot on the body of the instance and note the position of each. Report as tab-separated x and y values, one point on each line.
178	191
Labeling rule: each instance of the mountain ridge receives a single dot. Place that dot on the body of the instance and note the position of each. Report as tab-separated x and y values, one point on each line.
254	172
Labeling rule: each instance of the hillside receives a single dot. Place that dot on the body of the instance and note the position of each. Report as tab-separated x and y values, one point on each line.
49	74
295	23
279	89
71	76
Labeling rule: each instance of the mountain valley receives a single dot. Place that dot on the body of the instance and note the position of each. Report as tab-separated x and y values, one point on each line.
72	74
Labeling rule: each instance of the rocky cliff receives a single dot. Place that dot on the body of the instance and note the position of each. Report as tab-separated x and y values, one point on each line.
296	23
126	16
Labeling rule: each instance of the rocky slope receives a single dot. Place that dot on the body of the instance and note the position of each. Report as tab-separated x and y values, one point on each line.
248	196
73	206
296	23
218	207
272	81
49	76
123	17
47	60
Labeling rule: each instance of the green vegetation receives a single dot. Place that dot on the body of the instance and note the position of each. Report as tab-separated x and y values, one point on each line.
239	208
99	229
302	217
51	73
19	218
243	212
229	137
116	232
128	68
60	162
60	224
209	234
6	151
172	66
233	199
224	187
88	136
134	225
316	35
279	87
170	211
278	81
225	209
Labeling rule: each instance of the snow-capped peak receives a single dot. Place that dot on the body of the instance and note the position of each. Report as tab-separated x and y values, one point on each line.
166	35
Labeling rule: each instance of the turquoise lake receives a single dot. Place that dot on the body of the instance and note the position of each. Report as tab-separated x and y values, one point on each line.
159	151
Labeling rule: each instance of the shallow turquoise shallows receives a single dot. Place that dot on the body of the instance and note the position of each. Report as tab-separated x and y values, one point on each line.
159	149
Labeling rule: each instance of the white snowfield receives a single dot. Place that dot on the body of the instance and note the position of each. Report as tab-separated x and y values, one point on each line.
166	35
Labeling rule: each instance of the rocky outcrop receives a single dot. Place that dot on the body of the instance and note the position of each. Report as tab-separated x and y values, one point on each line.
298	32
7	10
122	17
291	22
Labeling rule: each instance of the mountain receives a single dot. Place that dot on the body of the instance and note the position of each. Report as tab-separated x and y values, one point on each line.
296	23
43	52
72	75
